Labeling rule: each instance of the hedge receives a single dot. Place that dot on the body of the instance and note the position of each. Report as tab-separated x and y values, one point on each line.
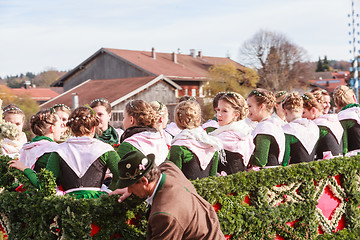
274	203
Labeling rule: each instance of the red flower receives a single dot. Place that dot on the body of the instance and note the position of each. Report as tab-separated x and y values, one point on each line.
284	196
217	206
228	237
20	188
134	221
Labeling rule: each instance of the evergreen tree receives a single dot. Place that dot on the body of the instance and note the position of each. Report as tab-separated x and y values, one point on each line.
30	75
319	67
326	65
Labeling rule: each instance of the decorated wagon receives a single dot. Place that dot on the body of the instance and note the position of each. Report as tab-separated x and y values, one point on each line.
317	200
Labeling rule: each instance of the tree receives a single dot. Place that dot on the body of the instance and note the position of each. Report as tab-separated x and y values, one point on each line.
228	78
46	78
30	75
15	81
281	65
319	66
326	64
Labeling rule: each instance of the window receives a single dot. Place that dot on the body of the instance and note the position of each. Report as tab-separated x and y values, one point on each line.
193	92
186	91
201	91
116	116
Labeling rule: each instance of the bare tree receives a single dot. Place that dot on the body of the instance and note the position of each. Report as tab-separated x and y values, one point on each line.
280	64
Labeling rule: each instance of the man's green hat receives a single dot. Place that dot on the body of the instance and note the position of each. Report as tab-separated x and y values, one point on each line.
133	166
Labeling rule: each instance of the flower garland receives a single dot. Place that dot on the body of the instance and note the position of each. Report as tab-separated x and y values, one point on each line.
297	217
338	192
55	228
285	193
358	182
7	129
4	221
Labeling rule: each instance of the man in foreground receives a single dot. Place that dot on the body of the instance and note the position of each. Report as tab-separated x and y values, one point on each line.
176	210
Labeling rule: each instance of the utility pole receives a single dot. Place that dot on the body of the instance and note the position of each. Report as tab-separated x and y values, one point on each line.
354	35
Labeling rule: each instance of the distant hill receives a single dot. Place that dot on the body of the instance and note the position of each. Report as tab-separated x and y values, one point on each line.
43	79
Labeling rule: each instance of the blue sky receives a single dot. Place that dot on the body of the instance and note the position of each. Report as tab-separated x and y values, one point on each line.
36	35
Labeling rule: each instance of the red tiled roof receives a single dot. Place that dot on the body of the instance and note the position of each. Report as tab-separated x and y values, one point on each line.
111	89
38	94
321	75
329	84
187	66
343	74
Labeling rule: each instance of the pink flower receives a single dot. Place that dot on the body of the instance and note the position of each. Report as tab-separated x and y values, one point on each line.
327	155
141	167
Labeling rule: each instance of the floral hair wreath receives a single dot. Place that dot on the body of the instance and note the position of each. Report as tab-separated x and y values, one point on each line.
256	92
233	94
281	93
219	93
161	105
92	113
306	97
103	100
61	105
91	110
44	115
12	109
52	110
77	118
131	105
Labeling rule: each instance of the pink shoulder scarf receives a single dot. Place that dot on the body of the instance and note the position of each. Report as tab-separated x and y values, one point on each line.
30	152
199	143
350	113
331	121
305	130
81	152
210	123
273	128
150	142
236	137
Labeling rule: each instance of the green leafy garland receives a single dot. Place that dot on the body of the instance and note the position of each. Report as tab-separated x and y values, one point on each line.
277	196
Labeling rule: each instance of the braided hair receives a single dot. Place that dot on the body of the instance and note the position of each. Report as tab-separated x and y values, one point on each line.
343	95
142	112
42	120
293	102
237	102
188	114
263	96
82	121
314	99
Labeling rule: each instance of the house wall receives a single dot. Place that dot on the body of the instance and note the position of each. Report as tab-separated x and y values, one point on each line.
104	66
189	88
161	91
